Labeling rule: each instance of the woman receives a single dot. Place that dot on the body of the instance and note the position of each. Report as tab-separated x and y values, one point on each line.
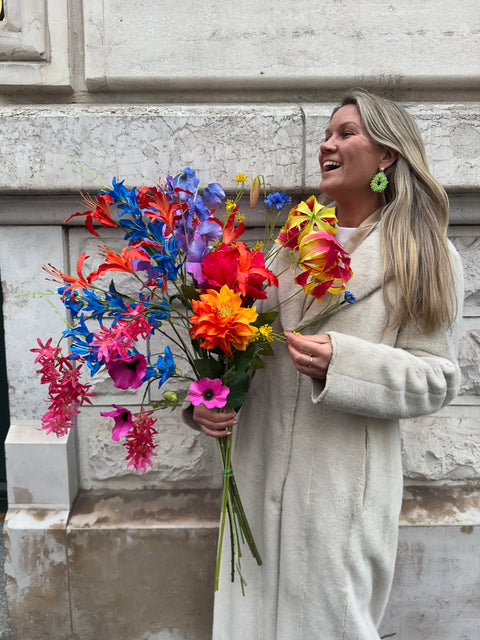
318	454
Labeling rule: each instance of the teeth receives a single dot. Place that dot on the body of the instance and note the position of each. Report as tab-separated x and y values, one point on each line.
331	163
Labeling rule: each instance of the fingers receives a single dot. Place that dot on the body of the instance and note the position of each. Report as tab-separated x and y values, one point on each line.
213	423
310	355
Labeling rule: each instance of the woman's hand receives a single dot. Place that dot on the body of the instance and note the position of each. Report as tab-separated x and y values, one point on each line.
213	423
311	355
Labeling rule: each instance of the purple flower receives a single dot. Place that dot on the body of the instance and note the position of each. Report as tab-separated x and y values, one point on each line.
213	194
186	180
127	373
123	421
209	392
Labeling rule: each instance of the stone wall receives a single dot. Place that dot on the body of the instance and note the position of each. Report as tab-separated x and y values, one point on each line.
101	88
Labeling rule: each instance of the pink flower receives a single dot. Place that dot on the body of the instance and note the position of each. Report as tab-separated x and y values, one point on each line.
127	373
209	392
123	421
65	390
139	441
111	344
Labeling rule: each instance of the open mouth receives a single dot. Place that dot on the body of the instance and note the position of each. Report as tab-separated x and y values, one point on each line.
331	165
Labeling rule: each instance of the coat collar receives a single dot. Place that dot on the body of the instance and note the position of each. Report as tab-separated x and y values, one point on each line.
364	247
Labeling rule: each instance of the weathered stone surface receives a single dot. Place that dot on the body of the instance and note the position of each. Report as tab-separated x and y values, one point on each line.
435	587
441	448
34	44
263	49
469	249
469	361
36	571
139	144
41	469
23	251
185	458
142	565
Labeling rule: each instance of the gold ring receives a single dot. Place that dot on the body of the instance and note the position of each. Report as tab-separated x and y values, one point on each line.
311	359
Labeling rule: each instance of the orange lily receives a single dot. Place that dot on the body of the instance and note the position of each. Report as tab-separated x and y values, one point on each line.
100	212
80	282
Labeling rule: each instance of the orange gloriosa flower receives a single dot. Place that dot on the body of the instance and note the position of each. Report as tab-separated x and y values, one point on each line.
219	320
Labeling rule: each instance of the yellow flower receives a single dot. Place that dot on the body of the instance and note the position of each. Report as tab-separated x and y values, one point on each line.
265	332
240	217
258	246
241	177
220	321
230	206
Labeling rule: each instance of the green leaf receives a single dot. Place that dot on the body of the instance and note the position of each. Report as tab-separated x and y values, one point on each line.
208	368
257	363
265	349
238	391
268	317
190	293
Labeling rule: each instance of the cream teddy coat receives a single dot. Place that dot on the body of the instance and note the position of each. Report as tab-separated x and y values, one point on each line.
319	466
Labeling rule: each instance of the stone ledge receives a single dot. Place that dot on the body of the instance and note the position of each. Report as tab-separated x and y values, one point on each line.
43	145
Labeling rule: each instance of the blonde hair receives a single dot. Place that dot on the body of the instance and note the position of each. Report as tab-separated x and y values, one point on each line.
415	220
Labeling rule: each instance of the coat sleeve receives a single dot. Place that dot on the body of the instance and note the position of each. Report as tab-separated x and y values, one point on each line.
417	376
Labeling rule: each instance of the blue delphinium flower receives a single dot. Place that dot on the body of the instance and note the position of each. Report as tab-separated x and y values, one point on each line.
115	301
80	346
277	199
349	297
71	303
163	369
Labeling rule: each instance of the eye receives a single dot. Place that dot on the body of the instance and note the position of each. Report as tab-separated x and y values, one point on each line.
347	133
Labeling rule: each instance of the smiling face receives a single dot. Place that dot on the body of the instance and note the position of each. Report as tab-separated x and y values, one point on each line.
349	158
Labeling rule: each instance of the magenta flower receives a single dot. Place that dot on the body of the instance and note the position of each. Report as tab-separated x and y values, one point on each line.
127	373
209	392
123	421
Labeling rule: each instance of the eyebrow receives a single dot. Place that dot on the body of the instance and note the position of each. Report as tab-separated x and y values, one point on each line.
349	123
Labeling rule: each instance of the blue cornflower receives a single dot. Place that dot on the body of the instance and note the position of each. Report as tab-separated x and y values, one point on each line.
349	297
277	199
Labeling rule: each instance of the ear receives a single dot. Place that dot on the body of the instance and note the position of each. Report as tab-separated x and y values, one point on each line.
387	157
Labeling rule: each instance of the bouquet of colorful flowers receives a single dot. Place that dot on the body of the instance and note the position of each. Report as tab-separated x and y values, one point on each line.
197	285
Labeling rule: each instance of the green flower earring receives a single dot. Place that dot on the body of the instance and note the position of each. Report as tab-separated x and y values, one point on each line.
379	182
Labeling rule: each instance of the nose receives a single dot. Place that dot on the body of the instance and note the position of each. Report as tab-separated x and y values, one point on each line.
328	145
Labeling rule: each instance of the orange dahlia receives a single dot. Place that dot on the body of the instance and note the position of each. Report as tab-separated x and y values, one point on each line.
220	321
